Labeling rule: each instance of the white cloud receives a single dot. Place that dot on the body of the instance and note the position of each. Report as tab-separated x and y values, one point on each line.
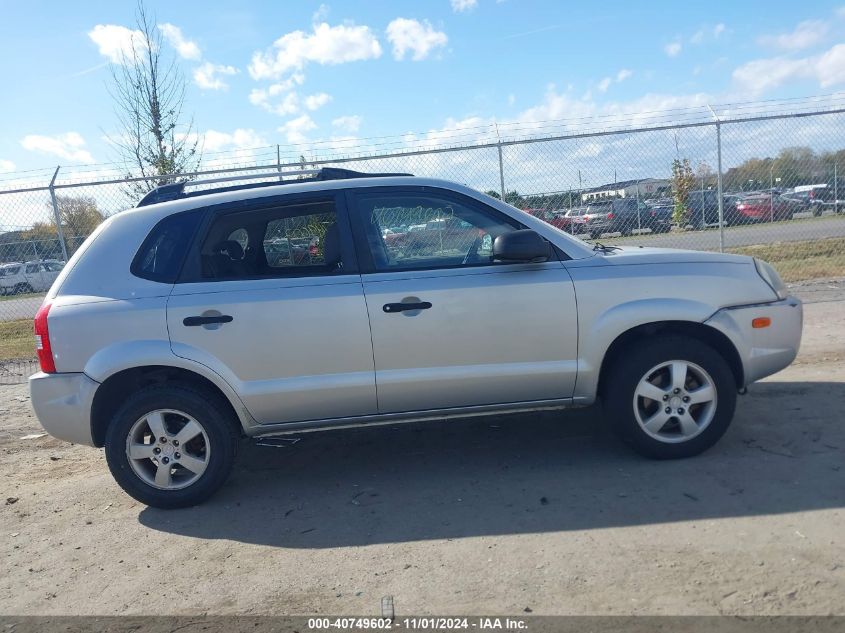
241	138
672	49
806	34
187	49
349	123
605	83
207	75
69	146
6	166
320	14
295	129
315	101
459	6
279	98
719	29
325	45
420	38
760	75
698	37
511	99
116	42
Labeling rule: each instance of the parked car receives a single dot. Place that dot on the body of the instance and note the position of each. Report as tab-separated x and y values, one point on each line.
556	217
26	277
816	198
624	216
167	361
763	207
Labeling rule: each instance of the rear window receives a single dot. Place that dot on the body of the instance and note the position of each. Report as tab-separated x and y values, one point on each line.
162	253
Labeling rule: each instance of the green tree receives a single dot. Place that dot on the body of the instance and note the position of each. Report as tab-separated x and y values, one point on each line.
683	181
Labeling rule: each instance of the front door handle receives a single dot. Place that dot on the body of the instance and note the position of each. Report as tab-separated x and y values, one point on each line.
192	321
406	307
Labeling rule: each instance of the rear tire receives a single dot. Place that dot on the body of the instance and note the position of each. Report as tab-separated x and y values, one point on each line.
670	424
171	473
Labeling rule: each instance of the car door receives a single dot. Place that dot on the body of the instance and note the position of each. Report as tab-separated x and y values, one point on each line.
270	299
450	327
35	277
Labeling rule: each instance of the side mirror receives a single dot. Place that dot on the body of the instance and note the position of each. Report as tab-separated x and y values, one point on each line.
521	246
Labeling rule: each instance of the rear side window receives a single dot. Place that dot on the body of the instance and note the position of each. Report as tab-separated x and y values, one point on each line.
294	240
162	253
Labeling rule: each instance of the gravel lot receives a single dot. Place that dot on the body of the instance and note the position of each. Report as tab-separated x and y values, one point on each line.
494	515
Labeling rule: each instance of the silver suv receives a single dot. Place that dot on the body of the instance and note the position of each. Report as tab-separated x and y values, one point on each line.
205	316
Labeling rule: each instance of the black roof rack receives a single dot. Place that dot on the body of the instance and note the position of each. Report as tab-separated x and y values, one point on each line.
176	191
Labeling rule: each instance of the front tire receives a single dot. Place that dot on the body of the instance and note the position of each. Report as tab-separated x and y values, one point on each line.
171	446
669	398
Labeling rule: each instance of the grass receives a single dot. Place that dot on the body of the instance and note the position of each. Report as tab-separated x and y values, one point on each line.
21	296
16	340
799	261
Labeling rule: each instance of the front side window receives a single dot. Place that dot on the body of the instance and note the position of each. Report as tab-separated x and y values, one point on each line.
291	240
31	269
440	232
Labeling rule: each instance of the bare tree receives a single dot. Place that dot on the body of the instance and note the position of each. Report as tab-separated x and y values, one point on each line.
148	89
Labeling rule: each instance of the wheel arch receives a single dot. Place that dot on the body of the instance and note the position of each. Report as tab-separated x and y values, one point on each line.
113	390
700	331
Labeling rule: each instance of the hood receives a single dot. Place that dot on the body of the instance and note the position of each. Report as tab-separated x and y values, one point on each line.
648	255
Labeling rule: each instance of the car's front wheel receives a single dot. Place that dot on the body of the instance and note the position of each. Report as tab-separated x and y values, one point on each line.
171	446
670	398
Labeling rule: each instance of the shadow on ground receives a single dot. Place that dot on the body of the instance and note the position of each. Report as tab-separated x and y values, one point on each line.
523	474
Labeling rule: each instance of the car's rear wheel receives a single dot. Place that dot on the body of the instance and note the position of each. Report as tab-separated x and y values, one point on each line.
171	446
670	398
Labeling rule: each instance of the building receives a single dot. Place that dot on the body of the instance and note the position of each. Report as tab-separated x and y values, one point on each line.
642	188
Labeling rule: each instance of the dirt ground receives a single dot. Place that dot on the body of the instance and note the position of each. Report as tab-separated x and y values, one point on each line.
496	515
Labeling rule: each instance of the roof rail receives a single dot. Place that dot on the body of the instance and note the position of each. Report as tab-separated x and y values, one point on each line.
176	191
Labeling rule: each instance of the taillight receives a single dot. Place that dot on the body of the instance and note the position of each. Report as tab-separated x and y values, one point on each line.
610	216
812	194
42	340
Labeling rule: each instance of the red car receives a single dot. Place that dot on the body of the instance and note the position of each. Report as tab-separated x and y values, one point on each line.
763	208
557	219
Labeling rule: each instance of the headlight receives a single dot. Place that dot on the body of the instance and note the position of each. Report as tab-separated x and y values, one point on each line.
771	277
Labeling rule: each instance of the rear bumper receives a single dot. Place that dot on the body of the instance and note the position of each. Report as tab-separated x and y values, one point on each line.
62	403
768	350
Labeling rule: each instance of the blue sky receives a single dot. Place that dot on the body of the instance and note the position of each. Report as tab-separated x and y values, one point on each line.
298	72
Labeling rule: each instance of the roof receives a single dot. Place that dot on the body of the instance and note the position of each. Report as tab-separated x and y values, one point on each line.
622	184
176	191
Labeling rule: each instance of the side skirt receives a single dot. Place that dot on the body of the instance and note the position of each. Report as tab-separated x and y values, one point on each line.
413	416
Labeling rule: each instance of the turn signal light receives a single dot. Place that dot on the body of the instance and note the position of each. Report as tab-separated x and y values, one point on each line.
761	322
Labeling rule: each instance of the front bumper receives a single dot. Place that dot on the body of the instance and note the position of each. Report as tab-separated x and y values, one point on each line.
763	351
62	403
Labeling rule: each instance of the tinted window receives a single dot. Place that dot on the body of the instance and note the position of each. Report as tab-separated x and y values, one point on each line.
443	232
31	268
292	240
162	253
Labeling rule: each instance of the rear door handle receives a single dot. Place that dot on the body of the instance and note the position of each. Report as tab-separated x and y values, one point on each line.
405	307
192	321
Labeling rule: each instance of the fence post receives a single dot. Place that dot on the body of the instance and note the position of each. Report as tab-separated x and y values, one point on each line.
835	189
501	172
279	162
58	216
719	186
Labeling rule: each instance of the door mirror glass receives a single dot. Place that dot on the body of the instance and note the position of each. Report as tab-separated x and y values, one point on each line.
524	245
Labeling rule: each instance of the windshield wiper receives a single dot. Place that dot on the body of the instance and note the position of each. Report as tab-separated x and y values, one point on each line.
598	246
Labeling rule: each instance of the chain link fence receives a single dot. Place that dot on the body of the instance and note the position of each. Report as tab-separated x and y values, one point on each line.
758	182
